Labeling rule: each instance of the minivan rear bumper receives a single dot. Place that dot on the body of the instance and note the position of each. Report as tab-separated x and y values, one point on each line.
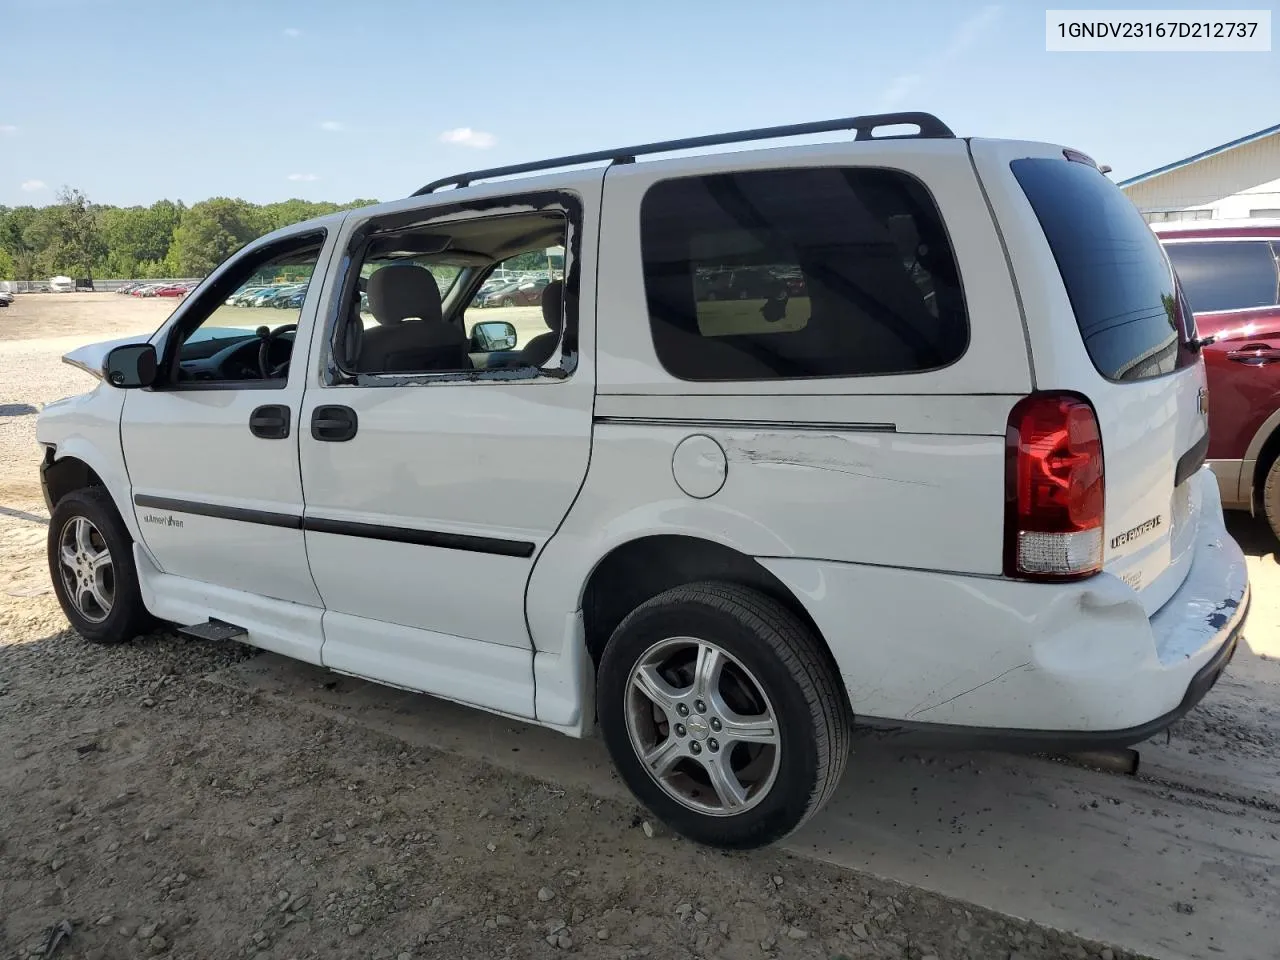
1064	741
987	662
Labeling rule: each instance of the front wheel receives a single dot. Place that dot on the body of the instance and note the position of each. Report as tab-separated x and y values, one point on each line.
723	715
91	563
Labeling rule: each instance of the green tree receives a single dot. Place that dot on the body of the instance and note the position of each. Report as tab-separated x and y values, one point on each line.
136	235
13	228
289	212
165	239
211	231
65	235
6	265
535	260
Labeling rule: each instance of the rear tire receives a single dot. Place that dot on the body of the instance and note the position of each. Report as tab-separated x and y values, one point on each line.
723	714
91	564
1271	497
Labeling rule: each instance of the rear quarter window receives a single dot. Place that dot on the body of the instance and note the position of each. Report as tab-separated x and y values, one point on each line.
787	274
1226	274
1118	279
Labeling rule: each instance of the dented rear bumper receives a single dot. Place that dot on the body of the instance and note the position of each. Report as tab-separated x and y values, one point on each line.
991	662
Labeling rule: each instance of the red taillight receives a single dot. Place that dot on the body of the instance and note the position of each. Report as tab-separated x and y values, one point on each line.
1054	488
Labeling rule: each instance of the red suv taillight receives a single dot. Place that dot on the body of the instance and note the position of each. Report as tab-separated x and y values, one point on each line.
1054	489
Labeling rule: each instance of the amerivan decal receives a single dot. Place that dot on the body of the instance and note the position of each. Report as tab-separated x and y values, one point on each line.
1134	533
169	521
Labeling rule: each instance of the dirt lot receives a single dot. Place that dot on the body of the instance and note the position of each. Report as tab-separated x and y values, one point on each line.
178	799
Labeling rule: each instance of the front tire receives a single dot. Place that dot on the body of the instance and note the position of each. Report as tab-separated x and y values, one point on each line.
722	714
91	564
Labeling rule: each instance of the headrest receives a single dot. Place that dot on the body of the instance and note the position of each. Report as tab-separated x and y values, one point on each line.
553	305
402	290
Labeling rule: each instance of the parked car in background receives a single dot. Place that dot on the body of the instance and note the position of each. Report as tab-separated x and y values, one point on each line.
171	290
1229	273
523	293
6	297
288	297
61	285
241	297
260	298
752	283
492	285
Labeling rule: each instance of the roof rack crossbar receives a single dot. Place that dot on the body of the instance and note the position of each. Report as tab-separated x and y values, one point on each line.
929	127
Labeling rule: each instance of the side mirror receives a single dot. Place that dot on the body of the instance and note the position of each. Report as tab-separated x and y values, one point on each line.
131	365
490	335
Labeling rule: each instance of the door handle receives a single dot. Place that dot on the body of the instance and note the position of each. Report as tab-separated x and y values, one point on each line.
270	422
1255	354
333	423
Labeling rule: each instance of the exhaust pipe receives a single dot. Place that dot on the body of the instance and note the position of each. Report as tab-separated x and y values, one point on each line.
1122	761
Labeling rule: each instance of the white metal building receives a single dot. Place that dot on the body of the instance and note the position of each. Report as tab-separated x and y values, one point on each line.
1236	179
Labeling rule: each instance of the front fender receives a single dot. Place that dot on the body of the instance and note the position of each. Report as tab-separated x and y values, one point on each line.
87	428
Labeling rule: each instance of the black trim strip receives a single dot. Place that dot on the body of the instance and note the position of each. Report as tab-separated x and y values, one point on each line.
345	528
752	424
291	521
1191	461
423	538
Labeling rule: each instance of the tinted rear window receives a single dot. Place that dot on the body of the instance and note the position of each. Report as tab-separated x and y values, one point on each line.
1226	274
1120	283
778	274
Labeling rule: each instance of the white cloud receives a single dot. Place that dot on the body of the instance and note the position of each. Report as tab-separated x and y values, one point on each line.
969	33
304	177
31	186
961	39
469	138
900	88
8	128
292	32
333	126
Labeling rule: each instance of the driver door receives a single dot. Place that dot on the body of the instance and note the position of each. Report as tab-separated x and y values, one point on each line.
212	448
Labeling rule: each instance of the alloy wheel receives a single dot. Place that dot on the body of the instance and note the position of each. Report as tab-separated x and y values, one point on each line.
702	726
88	574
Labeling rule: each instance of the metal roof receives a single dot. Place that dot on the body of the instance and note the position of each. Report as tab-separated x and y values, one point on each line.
1195	158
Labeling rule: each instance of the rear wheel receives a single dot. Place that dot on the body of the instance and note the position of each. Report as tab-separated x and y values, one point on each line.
1271	497
722	714
91	564
508	302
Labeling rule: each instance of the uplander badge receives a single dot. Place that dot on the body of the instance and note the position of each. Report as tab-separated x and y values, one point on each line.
1133	533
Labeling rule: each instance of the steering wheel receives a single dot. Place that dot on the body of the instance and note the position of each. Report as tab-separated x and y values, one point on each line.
264	350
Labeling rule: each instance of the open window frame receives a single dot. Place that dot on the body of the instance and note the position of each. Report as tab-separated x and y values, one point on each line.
436	219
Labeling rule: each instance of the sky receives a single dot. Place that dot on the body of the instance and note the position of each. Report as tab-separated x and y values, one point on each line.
133	101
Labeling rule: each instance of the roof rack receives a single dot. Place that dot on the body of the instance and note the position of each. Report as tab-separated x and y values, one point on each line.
930	127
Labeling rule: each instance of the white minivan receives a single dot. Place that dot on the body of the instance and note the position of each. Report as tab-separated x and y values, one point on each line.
905	431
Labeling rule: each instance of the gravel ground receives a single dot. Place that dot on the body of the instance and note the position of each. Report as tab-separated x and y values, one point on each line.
161	815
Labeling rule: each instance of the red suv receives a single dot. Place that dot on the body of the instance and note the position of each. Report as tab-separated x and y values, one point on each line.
1231	279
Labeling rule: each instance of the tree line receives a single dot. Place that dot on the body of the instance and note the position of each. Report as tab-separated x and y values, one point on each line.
77	238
